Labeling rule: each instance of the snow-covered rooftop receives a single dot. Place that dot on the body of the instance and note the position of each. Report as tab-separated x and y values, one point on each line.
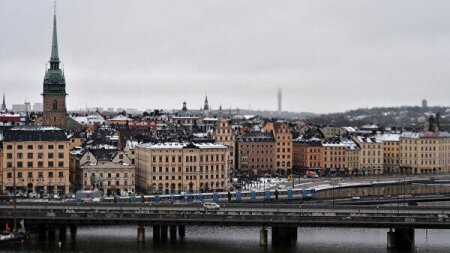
178	145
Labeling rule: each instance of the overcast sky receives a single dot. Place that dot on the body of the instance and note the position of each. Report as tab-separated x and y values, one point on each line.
327	56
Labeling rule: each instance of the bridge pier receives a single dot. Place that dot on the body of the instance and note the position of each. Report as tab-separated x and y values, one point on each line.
284	235
263	237
41	231
156	233
181	231
173	232
62	233
141	234
73	230
401	238
164	233
51	232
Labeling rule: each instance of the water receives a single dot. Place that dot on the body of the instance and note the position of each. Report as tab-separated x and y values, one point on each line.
231	239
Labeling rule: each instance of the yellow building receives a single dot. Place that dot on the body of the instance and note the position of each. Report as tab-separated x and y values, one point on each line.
223	133
181	167
40	158
371	155
424	152
391	151
283	145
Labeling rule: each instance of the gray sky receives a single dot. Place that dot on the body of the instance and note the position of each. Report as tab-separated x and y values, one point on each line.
327	56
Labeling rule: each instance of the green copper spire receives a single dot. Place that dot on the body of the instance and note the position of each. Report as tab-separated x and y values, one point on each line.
54	81
54	58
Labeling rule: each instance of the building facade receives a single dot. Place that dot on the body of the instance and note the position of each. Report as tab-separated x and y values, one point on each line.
40	158
424	152
256	153
223	133
283	143
166	168
308	155
371	156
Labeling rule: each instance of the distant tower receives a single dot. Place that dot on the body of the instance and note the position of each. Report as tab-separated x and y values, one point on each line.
206	105
184	107
4	109
279	101
424	104
54	88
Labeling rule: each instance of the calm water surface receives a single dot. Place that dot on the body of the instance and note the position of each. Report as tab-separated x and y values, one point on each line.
232	240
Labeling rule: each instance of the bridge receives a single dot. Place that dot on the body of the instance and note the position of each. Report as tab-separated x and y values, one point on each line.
282	219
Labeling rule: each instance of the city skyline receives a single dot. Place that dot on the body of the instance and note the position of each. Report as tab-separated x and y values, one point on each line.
154	55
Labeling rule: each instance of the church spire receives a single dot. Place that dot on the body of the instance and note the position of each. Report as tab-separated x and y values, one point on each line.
206	105
54	58
4	103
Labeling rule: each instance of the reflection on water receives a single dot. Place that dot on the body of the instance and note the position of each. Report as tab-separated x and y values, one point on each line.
232	239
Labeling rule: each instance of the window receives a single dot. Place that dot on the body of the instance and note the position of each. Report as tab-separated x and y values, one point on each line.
9	175
19	174
60	174
40	155
60	164
60	146
40	146
40	174
61	155
50	174
19	164
50	146
50	155
19	155
19	147
30	174
30	164
50	164
55	105
30	155
40	164
9	147
9	155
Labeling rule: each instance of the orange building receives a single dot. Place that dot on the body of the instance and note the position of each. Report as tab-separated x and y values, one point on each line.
308	155
283	144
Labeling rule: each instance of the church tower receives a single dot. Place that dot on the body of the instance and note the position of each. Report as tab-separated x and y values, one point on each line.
54	88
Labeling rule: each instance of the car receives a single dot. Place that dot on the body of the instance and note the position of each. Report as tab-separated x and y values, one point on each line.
211	206
356	198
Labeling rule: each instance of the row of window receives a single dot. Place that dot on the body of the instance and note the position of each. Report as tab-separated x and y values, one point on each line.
189	169
218	158
31	155
39	174
40	146
186	177
125	174
50	164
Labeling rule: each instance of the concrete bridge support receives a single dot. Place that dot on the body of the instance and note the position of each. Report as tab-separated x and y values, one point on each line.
51	232
164	230
181	231
173	232
284	235
401	238
156	233
73	230
263	237
141	234
42	229
62	233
